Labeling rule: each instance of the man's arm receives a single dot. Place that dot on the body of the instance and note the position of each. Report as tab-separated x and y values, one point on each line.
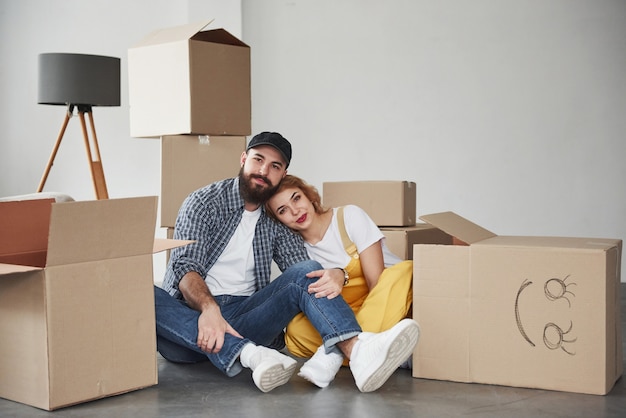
211	324
288	247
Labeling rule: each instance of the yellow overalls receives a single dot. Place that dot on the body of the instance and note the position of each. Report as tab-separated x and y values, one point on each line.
377	310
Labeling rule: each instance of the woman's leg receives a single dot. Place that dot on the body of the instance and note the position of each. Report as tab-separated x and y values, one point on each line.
390	300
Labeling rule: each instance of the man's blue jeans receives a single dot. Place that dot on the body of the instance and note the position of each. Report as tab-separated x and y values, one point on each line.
260	318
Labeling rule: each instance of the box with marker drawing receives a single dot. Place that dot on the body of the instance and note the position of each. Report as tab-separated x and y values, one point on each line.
536	312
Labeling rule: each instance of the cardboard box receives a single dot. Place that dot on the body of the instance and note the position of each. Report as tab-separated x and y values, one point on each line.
388	203
76	299
183	80
169	231
189	162
401	239
536	312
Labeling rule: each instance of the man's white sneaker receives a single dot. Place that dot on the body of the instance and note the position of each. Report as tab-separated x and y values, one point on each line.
270	368
321	368
376	356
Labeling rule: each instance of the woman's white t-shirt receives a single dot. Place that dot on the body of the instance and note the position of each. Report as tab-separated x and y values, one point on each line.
361	230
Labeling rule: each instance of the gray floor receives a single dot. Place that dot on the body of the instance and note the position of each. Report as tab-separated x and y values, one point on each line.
201	391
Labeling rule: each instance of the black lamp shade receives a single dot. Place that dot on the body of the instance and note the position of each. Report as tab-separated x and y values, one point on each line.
79	79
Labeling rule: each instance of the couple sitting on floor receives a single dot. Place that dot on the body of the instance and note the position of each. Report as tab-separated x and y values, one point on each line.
342	296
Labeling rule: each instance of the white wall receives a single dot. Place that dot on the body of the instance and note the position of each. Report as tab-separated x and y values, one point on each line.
29	130
510	113
31	27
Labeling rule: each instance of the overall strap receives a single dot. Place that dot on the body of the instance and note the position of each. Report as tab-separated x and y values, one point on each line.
348	245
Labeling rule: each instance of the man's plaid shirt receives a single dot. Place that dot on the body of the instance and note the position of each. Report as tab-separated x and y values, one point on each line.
210	217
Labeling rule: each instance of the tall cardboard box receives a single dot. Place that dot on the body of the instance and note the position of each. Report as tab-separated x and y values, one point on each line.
189	162
536	312
77	299
388	203
183	80
401	239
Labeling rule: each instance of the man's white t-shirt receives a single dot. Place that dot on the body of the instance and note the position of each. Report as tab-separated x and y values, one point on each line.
233	272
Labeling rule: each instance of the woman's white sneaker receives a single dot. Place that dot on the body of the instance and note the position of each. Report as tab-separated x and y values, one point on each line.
376	356
321	368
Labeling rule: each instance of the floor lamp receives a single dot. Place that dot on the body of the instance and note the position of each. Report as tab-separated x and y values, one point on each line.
80	82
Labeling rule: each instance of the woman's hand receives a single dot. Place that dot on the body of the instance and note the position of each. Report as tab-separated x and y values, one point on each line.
329	283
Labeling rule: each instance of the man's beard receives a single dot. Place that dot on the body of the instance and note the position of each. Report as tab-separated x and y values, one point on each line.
252	192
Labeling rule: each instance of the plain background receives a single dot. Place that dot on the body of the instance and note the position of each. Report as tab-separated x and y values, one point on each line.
510	113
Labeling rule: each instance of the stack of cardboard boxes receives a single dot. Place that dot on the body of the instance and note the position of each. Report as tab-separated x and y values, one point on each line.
537	312
190	87
76	285
392	206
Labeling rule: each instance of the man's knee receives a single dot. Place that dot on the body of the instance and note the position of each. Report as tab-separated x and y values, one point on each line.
160	294
297	272
306	266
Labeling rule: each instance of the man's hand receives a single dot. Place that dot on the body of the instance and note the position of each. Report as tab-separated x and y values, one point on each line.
329	284
211	330
211	324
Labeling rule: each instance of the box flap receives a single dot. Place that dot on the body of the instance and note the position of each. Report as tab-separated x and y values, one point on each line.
458	227
178	33
101	229
162	244
218	36
13	268
24	229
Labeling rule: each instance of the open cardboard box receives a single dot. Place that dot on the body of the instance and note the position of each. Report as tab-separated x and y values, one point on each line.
186	80
77	299
536	312
401	239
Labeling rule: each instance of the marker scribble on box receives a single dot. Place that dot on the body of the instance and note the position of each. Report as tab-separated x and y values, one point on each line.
554	337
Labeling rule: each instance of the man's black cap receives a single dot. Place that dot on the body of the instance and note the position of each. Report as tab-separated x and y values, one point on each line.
274	139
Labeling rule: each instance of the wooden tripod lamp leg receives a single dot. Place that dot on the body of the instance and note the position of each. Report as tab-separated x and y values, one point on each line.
42	183
97	172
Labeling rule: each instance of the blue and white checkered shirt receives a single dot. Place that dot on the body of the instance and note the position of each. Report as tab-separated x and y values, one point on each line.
210	216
